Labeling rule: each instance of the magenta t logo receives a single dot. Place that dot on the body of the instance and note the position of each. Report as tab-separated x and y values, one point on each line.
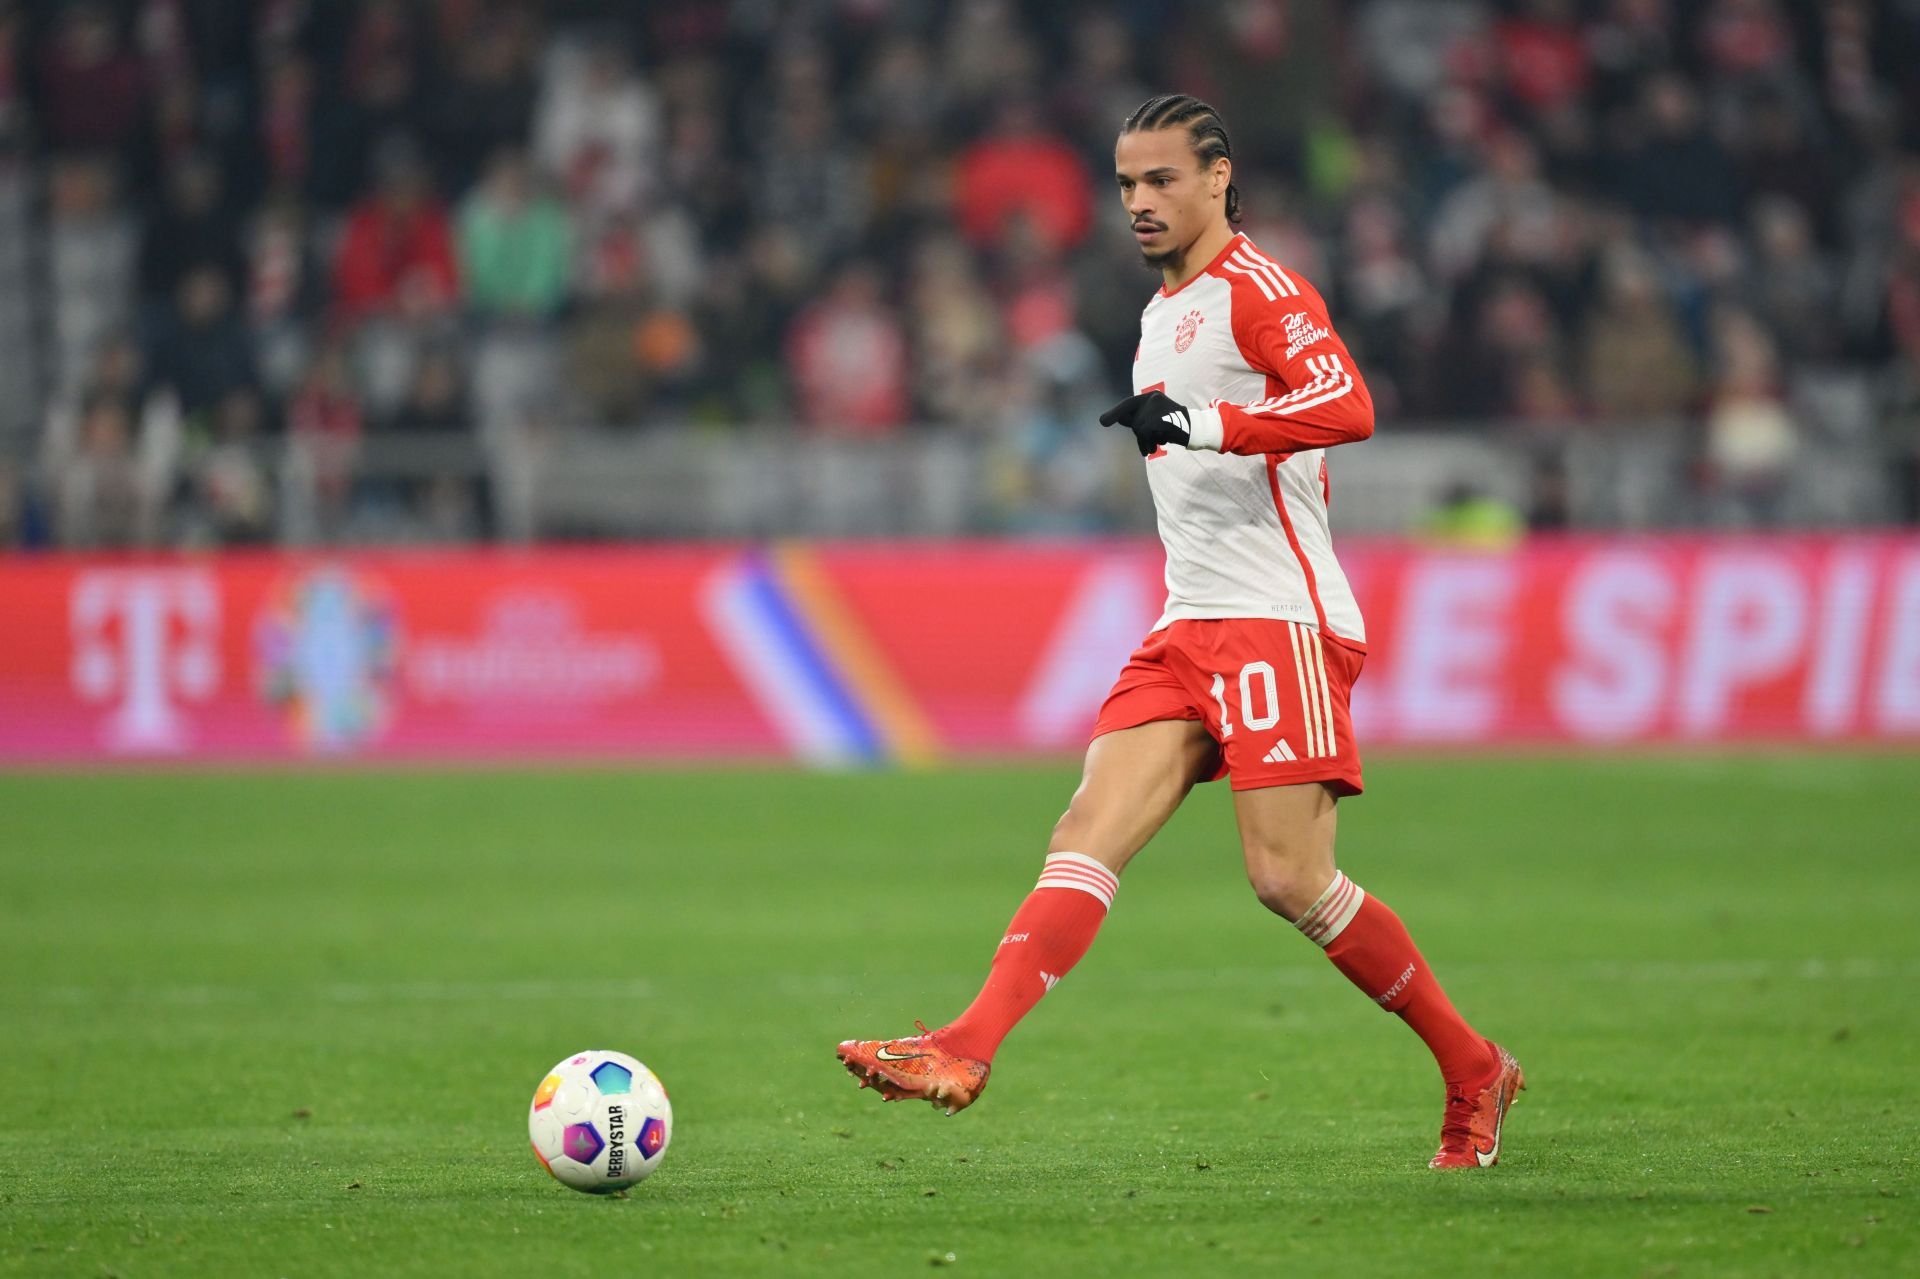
143	641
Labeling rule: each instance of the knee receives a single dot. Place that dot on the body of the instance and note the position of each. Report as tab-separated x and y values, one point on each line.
1287	886
1073	831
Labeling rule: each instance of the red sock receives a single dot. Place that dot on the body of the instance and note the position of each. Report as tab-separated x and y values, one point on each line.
1366	941
1048	935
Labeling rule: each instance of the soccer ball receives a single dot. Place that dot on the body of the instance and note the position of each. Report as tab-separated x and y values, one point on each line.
600	1122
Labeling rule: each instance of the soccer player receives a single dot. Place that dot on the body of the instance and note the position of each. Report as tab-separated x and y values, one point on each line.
1240	386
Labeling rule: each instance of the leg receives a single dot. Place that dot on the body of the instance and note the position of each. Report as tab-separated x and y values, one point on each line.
1132	782
1286	833
1134	779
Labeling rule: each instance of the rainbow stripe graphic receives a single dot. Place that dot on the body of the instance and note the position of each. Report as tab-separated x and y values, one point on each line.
812	665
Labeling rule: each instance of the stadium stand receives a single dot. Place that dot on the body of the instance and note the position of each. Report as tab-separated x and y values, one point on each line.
438	270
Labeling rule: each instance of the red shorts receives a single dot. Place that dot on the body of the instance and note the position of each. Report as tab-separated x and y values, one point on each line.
1273	695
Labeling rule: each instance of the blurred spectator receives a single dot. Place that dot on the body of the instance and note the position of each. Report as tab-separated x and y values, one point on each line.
436	402
596	128
324	423
371	91
282	290
92	247
1046	481
286	121
848	358
1637	360
93	88
1473	519
1779	158
1793	288
1413	45
192	229
102	497
1509	198
447	501
1672	170
396	255
1751	437
809	176
1021	173
956	331
1543	55
1505	328
202	350
486	100
1385	292
515	250
232	489
1101	87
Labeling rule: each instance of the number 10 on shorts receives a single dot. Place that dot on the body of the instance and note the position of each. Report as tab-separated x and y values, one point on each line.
1269	698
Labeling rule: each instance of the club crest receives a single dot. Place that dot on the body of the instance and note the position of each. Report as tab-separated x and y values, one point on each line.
1186	330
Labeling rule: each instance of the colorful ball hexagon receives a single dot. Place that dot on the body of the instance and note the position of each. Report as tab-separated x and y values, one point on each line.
543	1161
653	1135
581	1143
543	1095
611	1077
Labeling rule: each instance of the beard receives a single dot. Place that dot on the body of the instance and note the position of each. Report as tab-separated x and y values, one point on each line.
1169	258
1167	254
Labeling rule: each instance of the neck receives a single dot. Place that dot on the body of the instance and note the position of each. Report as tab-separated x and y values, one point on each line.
1176	271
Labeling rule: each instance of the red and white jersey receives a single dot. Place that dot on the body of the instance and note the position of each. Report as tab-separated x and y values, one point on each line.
1247	348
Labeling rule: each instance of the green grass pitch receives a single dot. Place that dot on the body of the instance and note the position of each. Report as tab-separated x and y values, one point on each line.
276	1024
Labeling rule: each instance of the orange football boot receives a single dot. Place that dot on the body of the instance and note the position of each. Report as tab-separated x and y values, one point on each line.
915	1067
1470	1131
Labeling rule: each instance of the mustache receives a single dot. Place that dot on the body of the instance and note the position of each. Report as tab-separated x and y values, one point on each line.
1149	226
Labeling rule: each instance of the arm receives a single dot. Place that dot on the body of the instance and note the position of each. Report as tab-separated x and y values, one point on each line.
1315	397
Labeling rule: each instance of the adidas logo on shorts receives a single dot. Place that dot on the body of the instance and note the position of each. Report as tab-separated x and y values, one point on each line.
1281	753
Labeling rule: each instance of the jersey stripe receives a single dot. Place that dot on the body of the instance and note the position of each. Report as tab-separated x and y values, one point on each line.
1248	253
1331	381
1327	373
1293	539
1327	736
1307	717
1266	289
1266	269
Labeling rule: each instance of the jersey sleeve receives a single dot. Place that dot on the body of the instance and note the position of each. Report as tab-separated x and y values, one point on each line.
1315	396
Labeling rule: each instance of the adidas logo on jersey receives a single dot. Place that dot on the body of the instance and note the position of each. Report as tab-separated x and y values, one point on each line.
1050	979
1281	753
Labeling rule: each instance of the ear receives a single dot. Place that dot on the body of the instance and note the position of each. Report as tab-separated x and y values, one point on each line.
1221	175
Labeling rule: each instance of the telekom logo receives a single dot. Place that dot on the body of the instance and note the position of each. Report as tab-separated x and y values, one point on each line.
143	641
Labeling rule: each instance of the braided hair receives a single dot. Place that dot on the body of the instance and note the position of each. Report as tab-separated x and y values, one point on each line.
1206	133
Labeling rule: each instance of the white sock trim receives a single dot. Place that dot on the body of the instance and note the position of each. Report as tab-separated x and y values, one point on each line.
1327	918
1076	870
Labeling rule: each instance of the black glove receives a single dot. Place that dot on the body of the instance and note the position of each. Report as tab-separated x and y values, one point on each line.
1155	420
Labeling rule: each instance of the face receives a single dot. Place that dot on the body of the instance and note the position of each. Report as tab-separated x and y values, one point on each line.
1169	197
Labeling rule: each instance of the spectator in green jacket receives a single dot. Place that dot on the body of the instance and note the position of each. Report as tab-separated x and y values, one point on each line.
516	248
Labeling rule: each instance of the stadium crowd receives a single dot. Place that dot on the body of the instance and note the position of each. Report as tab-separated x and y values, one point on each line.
240	239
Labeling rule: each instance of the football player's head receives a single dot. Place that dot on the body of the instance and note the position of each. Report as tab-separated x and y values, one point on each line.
1174	166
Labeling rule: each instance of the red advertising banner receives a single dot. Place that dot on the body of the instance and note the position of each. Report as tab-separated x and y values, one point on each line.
862	653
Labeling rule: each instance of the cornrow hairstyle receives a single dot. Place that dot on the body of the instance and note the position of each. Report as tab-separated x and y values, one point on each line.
1206	133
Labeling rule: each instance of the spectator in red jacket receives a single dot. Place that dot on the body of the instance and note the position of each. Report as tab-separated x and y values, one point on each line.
397	254
848	358
1021	172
